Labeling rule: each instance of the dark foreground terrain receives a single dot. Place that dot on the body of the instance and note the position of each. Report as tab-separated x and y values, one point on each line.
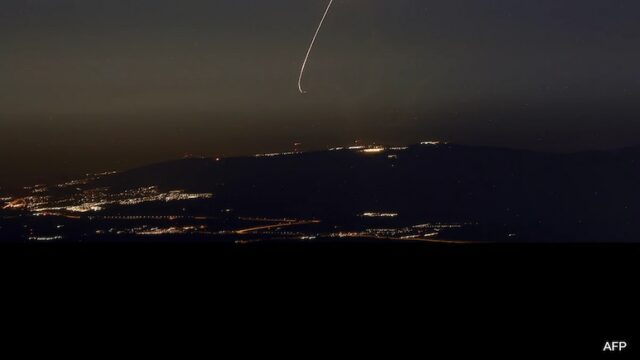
428	192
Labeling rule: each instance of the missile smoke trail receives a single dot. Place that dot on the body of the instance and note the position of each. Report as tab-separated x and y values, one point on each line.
313	41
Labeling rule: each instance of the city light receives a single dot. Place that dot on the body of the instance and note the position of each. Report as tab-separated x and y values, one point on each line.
379	214
373	150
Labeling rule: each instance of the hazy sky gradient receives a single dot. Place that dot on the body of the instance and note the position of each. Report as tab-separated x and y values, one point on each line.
91	85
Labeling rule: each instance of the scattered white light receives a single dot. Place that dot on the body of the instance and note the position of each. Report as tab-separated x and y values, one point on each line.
378	214
45	238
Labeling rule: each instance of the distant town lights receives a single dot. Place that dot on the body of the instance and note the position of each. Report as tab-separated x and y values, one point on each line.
379	214
373	150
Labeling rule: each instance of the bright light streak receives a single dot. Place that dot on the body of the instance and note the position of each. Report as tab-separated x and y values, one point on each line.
313	41
374	150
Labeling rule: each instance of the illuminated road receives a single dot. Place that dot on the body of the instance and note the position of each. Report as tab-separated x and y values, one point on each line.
17	203
275	226
436	241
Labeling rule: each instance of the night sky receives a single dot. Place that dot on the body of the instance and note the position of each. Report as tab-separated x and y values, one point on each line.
91	85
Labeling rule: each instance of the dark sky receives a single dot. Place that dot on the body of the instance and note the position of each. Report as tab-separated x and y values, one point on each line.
91	85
